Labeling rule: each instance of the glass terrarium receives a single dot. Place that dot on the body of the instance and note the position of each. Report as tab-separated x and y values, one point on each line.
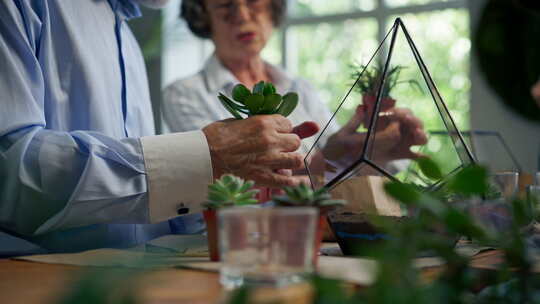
488	147
390	91
391	106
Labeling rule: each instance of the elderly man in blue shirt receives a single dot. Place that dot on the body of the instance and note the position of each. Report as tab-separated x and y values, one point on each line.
80	166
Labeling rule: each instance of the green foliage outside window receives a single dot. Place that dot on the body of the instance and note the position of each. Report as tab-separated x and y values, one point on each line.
441	36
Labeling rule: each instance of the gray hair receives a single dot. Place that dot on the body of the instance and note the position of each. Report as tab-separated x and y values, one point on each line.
196	16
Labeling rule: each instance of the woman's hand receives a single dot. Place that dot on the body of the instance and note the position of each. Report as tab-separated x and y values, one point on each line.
396	132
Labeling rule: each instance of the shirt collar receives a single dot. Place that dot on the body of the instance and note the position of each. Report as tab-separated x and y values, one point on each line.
126	9
219	77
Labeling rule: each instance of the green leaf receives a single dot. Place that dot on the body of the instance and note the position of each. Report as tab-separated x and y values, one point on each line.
471	180
522	212
429	168
245	202
237	106
290	101
462	224
271	102
240	93
331	291
330	202
215	196
247	185
269	89
226	103
247	195
404	193
254	103
258	88
230	190
240	296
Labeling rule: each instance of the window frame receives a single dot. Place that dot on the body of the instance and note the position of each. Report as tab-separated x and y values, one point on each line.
381	13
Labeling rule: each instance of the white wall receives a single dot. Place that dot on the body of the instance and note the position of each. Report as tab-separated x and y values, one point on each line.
183	53
488	112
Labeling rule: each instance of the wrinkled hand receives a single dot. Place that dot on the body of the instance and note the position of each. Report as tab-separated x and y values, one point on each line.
400	131
397	131
258	148
369	101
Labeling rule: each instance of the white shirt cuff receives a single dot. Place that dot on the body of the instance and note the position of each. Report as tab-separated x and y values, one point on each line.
179	169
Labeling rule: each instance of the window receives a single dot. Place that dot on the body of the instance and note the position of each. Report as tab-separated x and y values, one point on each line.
322	38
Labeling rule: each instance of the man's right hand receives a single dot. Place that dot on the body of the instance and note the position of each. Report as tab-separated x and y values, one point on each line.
257	148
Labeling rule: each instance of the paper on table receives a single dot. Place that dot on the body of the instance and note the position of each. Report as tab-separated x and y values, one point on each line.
171	251
354	270
470	249
187	245
166	251
114	258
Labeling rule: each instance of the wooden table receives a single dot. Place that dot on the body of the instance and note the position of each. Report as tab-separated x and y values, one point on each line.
28	283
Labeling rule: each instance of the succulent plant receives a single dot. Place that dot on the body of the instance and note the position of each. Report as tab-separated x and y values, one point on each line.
262	100
230	190
369	78
303	195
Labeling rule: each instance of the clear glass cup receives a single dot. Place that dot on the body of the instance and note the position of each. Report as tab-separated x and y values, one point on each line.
266	246
507	182
533	197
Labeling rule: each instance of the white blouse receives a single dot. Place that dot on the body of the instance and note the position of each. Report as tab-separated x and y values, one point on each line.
191	103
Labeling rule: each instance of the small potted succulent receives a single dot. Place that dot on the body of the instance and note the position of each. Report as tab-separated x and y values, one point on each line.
369	79
262	100
304	196
227	191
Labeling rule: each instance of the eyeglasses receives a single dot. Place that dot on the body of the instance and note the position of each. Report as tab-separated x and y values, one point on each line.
228	8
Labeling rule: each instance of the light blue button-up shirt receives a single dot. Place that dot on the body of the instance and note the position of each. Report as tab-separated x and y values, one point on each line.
73	101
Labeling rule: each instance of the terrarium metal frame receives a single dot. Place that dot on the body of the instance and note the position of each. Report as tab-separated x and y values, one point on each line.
463	151
475	134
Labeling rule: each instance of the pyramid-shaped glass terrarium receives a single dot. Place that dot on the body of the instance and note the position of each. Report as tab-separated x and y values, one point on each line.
393	98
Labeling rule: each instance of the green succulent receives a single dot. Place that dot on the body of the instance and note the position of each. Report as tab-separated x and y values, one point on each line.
262	100
303	195
230	190
369	78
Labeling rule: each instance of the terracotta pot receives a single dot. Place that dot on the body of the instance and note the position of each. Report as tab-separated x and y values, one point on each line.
321	223
264	194
212	234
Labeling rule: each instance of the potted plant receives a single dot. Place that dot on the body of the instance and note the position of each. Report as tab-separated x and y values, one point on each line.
304	196
262	100
227	191
368	79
